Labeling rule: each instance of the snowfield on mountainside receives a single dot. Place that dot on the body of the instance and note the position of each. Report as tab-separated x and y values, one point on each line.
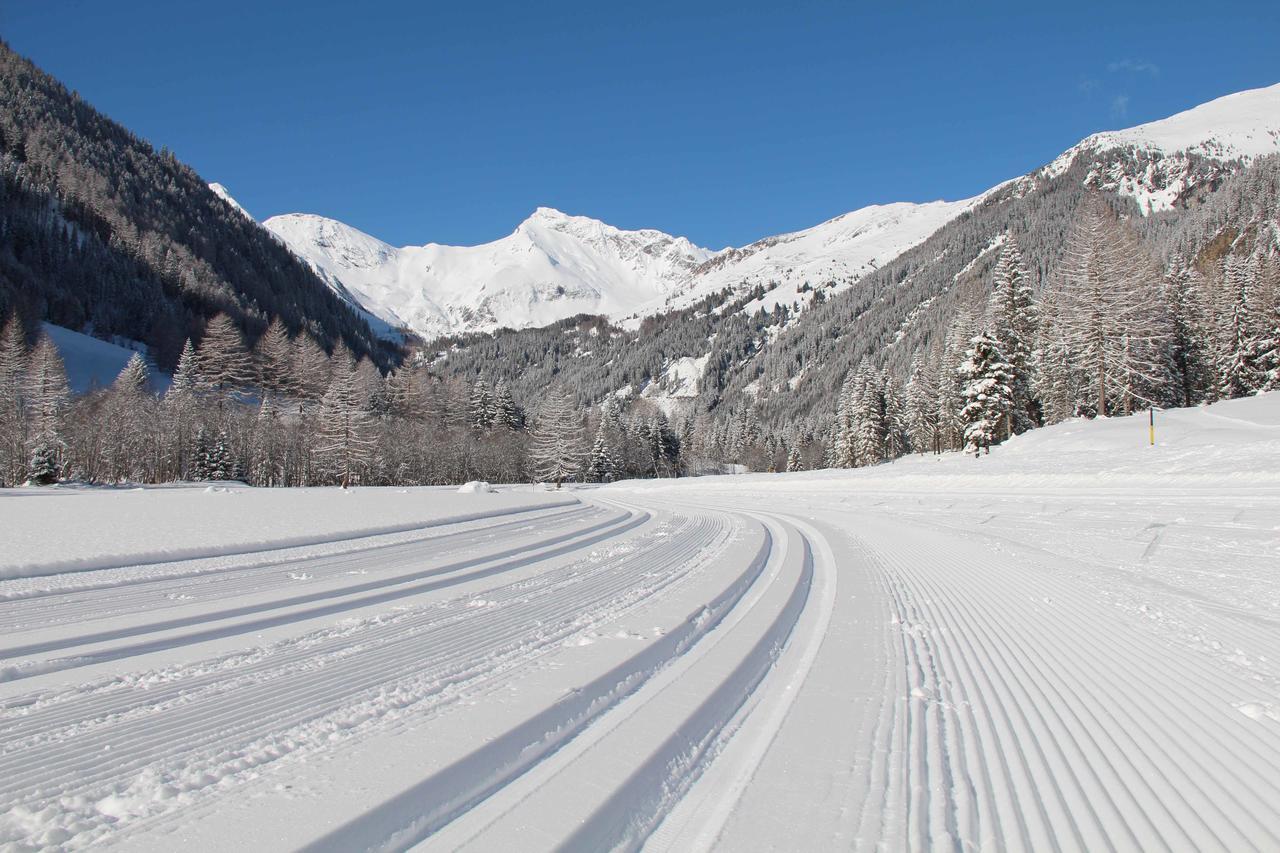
1072	643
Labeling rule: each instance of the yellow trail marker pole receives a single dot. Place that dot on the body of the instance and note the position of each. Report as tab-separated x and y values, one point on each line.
1152	427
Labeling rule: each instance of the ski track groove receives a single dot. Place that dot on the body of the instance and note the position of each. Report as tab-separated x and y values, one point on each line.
32	780
1156	801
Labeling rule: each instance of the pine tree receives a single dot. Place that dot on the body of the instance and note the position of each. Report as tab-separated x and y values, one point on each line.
128	418
224	362
46	395
794	461
13	416
604	465
922	408
844	447
988	395
1190	349
1238	335
481	414
187	379
506	412
869	414
1014	322
896	440
557	439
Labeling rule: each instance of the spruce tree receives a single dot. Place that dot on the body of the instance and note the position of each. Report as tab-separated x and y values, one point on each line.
46	395
988	395
1013	324
13	415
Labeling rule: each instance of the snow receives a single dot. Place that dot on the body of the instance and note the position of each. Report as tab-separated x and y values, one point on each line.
476	487
93	363
678	385
1070	643
223	193
552	266
555	265
1240	126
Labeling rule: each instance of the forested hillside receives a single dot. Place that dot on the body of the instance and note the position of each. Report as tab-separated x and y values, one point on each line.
102	233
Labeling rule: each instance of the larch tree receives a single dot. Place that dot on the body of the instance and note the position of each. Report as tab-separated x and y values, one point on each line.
1109	323
224	362
344	443
274	358
556	448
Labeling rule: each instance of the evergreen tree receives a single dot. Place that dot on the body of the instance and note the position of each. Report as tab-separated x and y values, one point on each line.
506	412
922	408
604	465
481	414
13	416
1190	347
46	396
794	461
1013	324
988	395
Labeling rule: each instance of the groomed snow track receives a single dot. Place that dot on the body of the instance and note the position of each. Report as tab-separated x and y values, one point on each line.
669	668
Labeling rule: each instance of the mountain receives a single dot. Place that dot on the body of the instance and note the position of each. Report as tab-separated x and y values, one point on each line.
779	351
103	234
555	266
1160	163
552	266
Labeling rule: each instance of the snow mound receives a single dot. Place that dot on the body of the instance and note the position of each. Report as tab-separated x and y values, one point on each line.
476	487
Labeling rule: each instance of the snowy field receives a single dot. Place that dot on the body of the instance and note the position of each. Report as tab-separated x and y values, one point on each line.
1071	644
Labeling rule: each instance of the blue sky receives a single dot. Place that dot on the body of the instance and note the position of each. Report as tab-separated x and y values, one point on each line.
724	122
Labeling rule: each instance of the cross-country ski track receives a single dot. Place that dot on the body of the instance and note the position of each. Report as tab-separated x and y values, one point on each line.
735	663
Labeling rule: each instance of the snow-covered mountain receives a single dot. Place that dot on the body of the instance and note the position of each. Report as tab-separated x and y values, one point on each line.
555	265
1157	163
552	266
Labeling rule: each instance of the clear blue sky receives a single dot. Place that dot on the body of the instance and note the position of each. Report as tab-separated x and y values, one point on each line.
725	122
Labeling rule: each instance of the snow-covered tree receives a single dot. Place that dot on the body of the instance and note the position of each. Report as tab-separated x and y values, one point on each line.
1108	322
921	408
13	416
46	396
345	441
128	415
1013	324
604	466
481	414
274	357
556	449
988	395
310	371
506	412
795	462
224	362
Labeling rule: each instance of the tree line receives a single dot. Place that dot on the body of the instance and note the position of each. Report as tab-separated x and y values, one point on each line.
288	413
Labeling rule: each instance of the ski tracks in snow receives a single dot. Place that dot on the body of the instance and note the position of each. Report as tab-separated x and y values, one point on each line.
681	668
